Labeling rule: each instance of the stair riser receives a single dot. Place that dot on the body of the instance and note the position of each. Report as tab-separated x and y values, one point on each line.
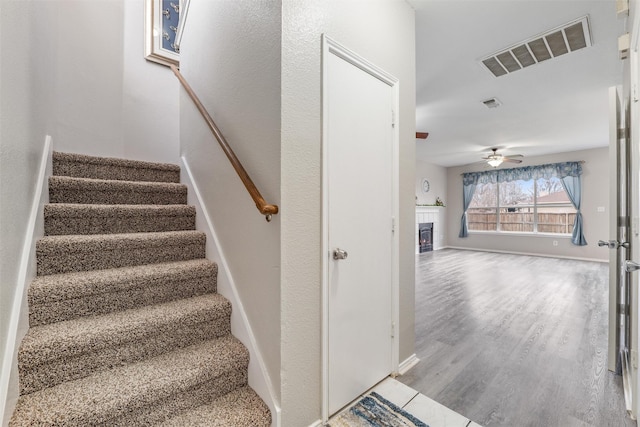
162	410
116	197
147	293
104	357
64	225
127	171
65	258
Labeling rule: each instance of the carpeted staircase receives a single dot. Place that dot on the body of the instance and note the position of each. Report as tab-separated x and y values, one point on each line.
126	327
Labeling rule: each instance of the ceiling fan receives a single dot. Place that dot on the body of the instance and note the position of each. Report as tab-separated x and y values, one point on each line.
494	159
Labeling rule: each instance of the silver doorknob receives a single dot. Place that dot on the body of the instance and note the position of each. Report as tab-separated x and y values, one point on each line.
630	266
340	254
613	244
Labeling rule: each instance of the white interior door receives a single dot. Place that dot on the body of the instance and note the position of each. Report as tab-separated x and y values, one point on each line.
358	203
620	244
632	133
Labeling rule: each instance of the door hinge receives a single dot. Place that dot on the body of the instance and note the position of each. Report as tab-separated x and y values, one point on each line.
393	329
634	359
393	224
393	119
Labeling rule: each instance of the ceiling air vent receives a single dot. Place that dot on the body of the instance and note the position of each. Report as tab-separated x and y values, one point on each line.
567	38
492	103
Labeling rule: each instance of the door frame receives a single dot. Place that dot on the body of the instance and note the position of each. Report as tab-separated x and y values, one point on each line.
633	127
331	47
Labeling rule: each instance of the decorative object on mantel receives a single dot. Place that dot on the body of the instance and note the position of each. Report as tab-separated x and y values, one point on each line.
438	203
164	24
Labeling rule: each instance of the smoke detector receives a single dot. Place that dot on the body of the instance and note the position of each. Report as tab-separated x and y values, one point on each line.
567	38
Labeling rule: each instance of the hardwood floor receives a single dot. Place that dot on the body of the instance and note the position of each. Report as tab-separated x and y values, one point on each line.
511	340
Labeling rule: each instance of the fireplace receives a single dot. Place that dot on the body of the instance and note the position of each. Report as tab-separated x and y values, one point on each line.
425	237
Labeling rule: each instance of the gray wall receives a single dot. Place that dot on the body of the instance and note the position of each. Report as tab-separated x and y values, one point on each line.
230	55
595	193
382	31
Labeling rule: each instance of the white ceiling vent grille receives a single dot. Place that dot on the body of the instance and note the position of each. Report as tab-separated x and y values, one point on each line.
567	38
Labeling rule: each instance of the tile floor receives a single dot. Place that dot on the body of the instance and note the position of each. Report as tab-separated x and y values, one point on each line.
419	405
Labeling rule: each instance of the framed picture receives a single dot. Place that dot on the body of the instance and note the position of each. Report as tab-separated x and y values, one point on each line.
164	24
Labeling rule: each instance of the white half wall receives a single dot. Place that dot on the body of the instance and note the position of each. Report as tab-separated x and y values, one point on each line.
595	195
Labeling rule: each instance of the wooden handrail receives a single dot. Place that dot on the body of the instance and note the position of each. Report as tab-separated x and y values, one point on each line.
265	208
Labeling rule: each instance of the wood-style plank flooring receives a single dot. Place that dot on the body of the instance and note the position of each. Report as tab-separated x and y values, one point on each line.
512	340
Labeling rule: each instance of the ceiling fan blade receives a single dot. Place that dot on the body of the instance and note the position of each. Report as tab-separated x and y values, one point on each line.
422	135
511	160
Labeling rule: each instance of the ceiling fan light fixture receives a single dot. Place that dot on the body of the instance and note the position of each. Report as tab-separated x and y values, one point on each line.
495	161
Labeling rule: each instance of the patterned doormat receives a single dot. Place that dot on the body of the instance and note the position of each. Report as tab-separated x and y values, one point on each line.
374	410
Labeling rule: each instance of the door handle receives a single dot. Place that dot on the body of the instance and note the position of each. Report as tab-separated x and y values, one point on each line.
630	266
339	254
613	244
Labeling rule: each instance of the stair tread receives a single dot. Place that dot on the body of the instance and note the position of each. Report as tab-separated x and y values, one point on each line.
239	408
68	253
113	161
115	392
58	287
79	165
89	242
89	334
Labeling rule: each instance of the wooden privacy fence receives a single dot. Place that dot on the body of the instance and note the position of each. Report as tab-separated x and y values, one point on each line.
548	222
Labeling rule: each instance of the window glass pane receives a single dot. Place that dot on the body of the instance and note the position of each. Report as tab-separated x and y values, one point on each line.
518	219
482	219
485	195
516	193
556	214
551	191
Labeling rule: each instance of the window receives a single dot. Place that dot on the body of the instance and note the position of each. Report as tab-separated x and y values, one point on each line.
524	206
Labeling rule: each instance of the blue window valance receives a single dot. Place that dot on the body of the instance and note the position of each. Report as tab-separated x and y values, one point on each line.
526	173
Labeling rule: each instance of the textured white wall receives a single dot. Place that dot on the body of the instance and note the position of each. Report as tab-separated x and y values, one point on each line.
230	55
21	144
595	193
150	97
73	70
110	101
381	31
437	176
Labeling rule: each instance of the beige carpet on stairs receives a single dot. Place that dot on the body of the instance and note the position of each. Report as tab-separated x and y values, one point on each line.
126	326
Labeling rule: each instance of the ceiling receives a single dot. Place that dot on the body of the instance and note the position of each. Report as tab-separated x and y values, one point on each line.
558	105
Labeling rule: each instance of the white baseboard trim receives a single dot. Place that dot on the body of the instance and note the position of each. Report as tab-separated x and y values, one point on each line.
19	322
259	379
409	363
316	424
462	248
